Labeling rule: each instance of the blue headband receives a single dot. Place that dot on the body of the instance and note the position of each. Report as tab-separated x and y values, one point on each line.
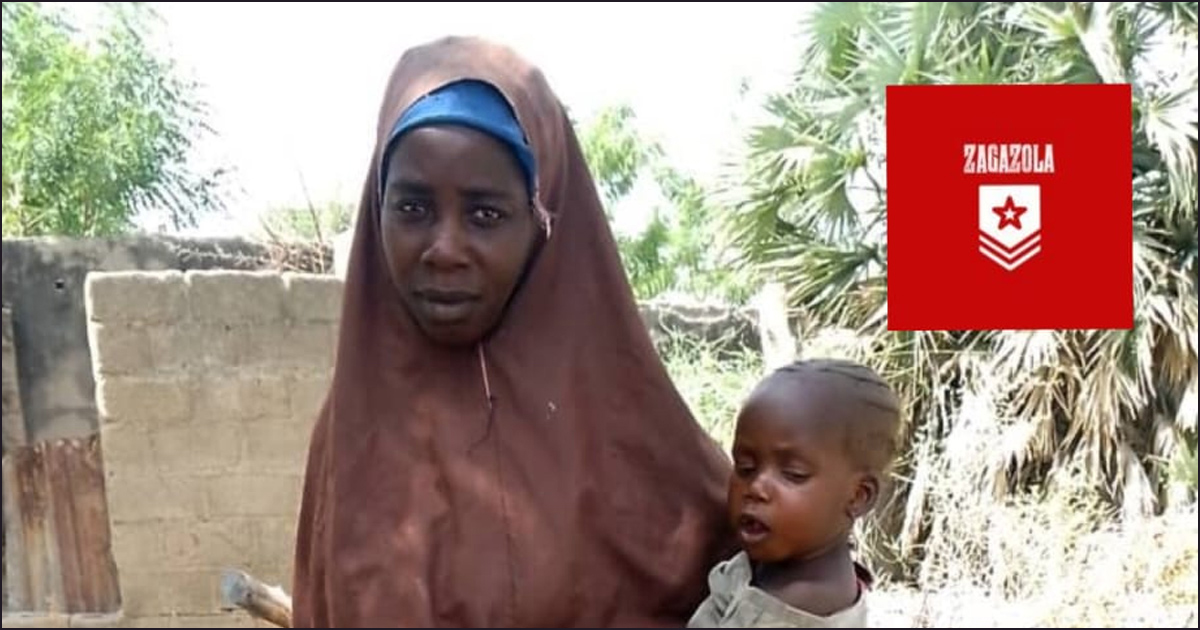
473	104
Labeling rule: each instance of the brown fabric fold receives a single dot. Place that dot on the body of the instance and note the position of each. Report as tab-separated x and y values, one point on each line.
586	496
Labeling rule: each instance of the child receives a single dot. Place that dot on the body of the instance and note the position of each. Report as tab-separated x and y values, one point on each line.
812	444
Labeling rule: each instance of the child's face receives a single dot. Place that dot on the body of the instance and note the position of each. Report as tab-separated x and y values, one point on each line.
794	492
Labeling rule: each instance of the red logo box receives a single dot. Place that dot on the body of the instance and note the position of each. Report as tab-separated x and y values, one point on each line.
1009	207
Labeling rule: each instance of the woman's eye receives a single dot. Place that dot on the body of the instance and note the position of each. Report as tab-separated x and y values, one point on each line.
485	215
410	209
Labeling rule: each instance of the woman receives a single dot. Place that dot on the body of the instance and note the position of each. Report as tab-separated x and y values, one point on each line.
501	445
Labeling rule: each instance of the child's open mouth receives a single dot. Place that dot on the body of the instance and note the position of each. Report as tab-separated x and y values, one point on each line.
751	530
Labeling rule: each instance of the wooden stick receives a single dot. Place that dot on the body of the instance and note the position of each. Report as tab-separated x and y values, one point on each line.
269	603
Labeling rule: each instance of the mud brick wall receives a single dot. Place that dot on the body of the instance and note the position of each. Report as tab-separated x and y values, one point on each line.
43	280
207	384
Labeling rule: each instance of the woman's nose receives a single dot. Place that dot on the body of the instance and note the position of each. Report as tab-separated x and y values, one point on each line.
447	246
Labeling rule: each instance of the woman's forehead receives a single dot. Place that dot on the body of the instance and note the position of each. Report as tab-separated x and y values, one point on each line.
538	112
425	69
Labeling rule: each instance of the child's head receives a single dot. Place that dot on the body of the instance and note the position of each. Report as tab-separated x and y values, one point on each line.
812	443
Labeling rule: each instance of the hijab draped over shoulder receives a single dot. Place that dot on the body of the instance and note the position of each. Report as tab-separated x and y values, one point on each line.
550	476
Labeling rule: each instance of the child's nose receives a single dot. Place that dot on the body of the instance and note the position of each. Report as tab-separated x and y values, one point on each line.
758	489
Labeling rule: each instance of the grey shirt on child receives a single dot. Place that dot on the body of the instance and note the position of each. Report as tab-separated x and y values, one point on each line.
734	603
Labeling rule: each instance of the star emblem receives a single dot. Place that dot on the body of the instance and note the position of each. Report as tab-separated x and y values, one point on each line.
1009	213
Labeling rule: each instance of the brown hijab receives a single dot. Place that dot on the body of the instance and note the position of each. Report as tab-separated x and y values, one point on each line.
584	495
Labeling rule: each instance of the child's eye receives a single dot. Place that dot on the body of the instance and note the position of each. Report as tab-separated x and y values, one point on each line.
744	470
795	476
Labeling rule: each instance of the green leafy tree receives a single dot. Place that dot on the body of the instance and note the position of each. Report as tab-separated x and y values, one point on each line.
675	250
319	223
97	131
616	152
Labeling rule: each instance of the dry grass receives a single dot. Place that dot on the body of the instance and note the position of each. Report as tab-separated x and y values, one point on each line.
1054	556
1139	575
714	383
1050	569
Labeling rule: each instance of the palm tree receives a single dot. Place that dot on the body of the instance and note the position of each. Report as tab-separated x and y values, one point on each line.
809	211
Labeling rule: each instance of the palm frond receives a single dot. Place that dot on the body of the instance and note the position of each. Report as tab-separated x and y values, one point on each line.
1185	418
832	27
1168	121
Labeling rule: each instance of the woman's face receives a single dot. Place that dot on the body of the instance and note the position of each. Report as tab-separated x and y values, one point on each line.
457	230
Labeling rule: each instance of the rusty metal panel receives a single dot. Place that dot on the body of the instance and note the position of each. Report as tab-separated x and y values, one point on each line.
57	554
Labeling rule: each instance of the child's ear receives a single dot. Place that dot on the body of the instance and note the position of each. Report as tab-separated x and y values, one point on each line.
866	492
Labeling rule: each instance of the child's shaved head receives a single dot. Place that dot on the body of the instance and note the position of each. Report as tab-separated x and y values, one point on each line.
852	398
